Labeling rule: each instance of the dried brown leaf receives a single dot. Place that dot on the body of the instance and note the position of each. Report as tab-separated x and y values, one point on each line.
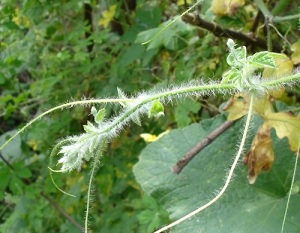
261	155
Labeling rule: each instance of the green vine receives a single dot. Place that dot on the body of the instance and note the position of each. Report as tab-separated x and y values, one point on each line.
243	76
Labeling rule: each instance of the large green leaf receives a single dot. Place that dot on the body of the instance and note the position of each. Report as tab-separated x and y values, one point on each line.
243	208
13	150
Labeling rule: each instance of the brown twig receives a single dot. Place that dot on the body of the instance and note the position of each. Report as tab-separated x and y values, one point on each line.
62	212
6	162
256	21
199	146
224	32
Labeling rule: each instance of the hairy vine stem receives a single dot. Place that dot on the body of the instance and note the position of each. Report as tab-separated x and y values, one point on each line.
60	107
169	93
229	176
268	84
91	143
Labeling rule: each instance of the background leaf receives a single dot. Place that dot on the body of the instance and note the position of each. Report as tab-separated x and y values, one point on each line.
243	208
13	150
183	110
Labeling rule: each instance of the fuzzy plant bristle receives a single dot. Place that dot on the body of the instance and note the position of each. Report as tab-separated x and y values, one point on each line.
82	147
243	76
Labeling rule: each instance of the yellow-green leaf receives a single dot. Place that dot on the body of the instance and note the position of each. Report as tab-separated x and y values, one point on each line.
100	115
226	7
238	105
152	137
296	52
148	137
286	124
284	66
156	110
182	2
107	16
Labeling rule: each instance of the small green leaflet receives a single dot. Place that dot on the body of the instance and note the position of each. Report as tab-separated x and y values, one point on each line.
156	110
262	60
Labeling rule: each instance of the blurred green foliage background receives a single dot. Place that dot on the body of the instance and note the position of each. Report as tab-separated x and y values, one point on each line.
57	51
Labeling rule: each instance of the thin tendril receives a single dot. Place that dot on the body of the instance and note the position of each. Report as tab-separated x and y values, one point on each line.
229	176
99	154
53	153
62	106
290	192
210	87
